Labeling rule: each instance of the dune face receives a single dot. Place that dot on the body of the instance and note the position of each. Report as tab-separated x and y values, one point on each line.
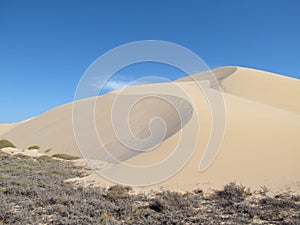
260	145
6	127
145	128
267	88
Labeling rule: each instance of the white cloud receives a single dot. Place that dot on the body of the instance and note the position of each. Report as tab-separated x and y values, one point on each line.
109	85
115	84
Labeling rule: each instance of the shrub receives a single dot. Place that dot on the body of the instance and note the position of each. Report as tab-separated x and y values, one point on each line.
6	144
233	192
117	192
169	200
34	147
44	158
47	150
157	205
65	157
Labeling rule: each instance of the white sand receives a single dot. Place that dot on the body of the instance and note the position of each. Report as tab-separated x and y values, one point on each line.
14	151
6	127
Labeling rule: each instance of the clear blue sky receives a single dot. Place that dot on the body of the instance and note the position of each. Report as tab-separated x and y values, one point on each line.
45	46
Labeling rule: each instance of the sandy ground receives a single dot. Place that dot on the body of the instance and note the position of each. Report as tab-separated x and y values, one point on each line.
14	151
261	139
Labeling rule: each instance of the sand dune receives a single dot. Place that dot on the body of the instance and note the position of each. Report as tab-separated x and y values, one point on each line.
261	139
264	87
6	127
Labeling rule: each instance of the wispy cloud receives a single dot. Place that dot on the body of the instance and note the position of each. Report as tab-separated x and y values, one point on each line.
121	81
110	85
116	84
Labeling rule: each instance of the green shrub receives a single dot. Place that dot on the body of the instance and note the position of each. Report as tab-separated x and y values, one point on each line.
65	157
34	147
6	144
47	150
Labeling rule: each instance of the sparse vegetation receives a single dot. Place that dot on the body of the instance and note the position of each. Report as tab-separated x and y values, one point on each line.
34	147
6	144
233	192
34	191
65	157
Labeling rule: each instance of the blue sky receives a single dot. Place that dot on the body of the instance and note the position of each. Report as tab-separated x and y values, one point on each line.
45	46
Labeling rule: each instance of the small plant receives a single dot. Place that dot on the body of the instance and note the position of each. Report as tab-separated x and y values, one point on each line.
157	205
44	158
4	177
263	191
233	192
42	184
47	150
34	147
21	182
6	144
65	157
117	192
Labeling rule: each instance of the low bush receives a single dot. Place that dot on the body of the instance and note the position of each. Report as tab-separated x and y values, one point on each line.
34	147
44	158
233	192
6	144
47	150
157	205
117	192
